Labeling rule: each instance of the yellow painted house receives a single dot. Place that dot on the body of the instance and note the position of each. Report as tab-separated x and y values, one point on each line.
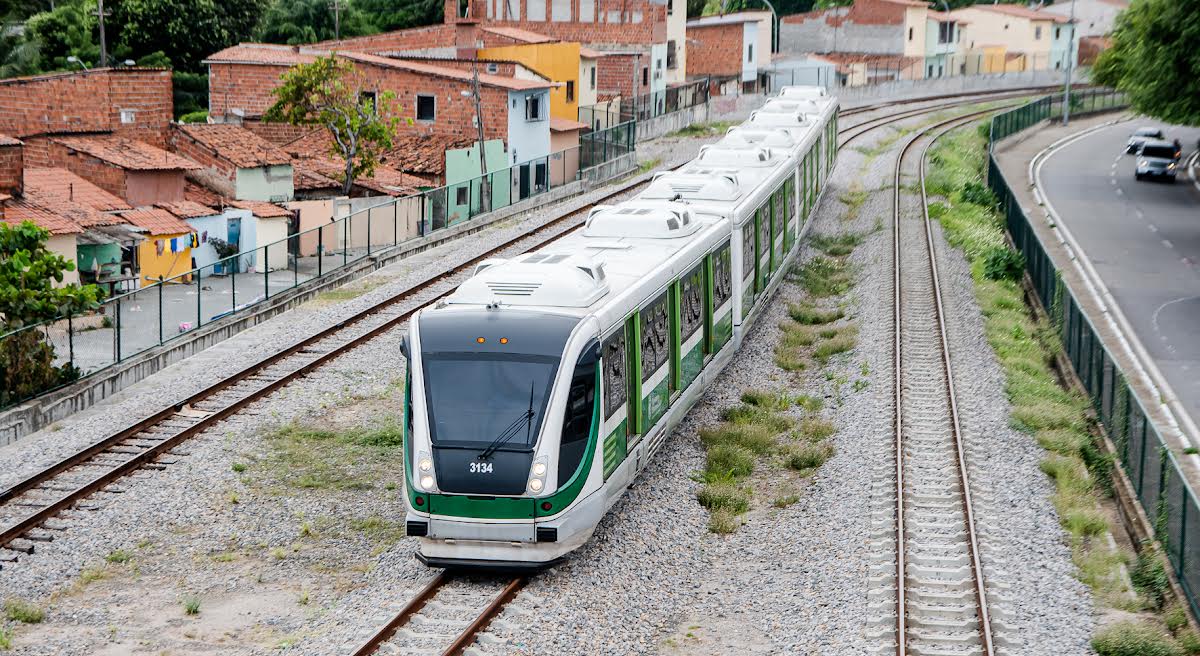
167	249
555	60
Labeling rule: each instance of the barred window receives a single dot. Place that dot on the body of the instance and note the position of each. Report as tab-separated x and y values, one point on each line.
692	302
747	249
656	336
616	380
722	278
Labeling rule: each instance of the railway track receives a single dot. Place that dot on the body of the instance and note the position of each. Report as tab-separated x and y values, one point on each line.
28	508
943	602
445	617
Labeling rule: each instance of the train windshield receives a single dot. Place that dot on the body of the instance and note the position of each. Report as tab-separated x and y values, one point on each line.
488	375
487	399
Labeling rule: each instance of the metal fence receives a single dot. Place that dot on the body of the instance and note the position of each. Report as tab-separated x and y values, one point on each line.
645	106
869	71
1158	480
343	233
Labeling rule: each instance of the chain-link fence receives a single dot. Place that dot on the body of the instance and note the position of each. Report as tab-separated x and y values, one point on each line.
1158	480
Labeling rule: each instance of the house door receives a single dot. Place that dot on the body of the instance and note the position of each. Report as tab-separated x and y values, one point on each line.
234	237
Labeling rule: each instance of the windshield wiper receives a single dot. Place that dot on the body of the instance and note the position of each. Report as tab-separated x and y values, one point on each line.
513	429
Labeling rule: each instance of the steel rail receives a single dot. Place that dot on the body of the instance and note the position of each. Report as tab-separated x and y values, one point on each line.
413	607
485	617
25	524
936	130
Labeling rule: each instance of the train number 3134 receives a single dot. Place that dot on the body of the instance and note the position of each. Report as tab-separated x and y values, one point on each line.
481	468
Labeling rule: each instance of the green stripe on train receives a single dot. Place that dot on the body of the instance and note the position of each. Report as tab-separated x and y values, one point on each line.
723	331
690	365
654	404
615	448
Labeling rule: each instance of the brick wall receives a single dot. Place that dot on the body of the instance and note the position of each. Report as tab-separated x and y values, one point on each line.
248	87
715	50
89	102
615	74
419	38
186	146
616	22
12	166
277	133
41	152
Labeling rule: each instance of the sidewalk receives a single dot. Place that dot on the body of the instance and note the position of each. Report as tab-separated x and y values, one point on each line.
1014	156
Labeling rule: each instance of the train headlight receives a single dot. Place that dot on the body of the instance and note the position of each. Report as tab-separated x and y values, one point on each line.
536	485
537	480
539	469
425	465
427	482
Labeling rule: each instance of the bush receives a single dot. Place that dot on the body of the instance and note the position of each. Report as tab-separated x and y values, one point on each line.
723	495
17	610
757	439
194	117
806	457
1150	578
1134	639
976	193
1003	263
730	459
807	314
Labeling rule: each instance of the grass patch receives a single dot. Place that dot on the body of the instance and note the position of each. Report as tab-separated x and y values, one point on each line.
746	415
853	200
5	638
191	605
730	459
19	610
119	557
314	458
837	245
649	165
768	399
1134	639
724	495
378	530
823	277
784	502
723	522
811	316
810	403
712	129
815	429
841	341
806	457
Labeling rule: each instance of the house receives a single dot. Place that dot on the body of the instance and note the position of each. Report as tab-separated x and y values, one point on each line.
166	252
943	44
251	167
106	250
1093	18
869	27
554	60
725	48
63	231
1033	40
135	171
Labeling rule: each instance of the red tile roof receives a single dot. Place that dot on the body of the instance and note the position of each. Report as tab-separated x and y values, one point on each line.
80	214
157	221
126	153
1020	12
518	34
188	209
6	140
260	208
306	179
19	211
61	183
565	124
411	152
202	195
260	53
588	53
943	17
241	147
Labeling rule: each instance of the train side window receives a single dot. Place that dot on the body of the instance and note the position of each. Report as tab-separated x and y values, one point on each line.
722	277
616	376
656	336
577	418
747	249
692	303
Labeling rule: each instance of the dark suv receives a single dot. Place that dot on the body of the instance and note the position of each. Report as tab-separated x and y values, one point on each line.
1142	136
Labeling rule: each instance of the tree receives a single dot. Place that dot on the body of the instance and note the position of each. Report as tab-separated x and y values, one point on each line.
68	30
1154	59
28	273
186	31
307	21
388	15
329	92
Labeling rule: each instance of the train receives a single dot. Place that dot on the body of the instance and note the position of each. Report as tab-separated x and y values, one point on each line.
544	384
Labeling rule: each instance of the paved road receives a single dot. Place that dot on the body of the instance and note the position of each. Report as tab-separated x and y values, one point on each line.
1144	240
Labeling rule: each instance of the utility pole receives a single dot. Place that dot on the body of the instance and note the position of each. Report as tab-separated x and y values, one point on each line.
485	196
103	43
1070	67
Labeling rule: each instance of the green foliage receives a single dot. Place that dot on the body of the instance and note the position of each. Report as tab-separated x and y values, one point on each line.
1150	577
976	192
771	400
190	91
186	31
1003	263
1134	639
1154	59
809	315
314	458
307	21
822	277
17	610
387	15
806	457
191	605
724	495
5	638
837	245
28	296
1175	618
329	93
119	557
728	458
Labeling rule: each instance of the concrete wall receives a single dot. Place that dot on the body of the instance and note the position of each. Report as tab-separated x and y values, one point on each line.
677	32
527	139
168	264
1093	17
271	183
272	232
902	89
588	81
150	187
313	214
558	62
752	52
668	123
208	227
65	246
816	32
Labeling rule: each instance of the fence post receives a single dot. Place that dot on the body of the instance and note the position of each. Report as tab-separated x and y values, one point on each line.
160	310
368	233
320	248
118	331
266	267
396	223
232	289
70	339
198	317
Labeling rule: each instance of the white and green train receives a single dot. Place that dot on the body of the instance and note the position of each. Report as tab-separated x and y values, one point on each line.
544	384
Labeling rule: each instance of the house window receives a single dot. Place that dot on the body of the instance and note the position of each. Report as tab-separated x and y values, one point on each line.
1057	33
750	53
910	34
645	76
536	11
533	108
127	116
1037	33
460	196
593	74
570	90
493	68
670	7
671	61
426	107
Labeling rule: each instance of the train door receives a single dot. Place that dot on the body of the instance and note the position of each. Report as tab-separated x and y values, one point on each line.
691	334
617	384
748	268
654	355
720	292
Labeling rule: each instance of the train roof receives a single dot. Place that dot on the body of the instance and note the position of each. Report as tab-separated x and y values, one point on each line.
603	269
